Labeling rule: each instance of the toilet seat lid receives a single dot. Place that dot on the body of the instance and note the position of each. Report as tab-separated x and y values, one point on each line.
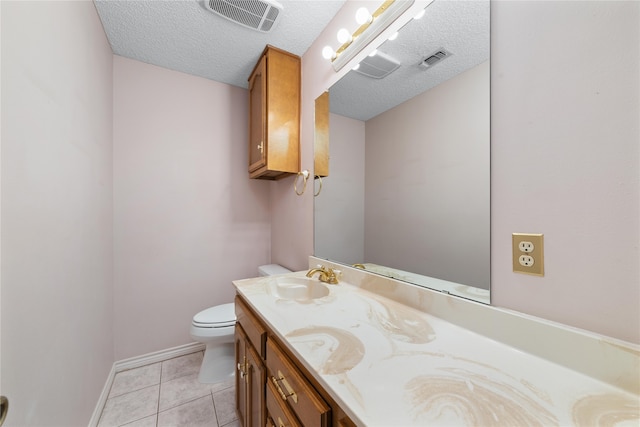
216	317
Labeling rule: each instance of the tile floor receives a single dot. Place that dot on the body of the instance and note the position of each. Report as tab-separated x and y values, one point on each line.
168	394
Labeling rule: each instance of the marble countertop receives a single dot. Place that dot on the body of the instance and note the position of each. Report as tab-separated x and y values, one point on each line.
388	364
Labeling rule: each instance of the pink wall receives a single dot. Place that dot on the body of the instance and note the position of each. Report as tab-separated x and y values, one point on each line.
187	218
427	182
565	134
339	208
571	124
57	295
292	223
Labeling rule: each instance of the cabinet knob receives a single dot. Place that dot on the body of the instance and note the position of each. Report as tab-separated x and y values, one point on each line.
242	368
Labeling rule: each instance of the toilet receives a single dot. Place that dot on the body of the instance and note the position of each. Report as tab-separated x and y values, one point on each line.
215	328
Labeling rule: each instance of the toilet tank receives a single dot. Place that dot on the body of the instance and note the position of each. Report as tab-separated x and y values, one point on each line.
272	269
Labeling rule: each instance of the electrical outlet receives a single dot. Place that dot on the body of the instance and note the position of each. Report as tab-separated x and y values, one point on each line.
526	260
525	246
528	253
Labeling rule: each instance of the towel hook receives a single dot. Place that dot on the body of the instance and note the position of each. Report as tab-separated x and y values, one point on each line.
305	176
320	188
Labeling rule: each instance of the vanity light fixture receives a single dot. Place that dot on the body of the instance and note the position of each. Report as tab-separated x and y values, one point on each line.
371	25
328	53
344	36
363	16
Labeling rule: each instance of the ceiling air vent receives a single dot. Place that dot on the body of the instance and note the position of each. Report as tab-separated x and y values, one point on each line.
378	66
261	15
435	58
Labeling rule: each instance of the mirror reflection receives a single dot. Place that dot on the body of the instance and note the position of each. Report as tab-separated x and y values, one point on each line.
407	192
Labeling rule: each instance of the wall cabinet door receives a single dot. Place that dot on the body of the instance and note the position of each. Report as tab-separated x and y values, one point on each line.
258	116
274	115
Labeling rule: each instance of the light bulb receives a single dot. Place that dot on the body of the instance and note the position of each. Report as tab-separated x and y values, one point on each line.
393	36
363	16
356	67
420	14
374	53
328	53
344	36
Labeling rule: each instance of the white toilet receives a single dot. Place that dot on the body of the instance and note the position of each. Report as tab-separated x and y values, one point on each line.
215	328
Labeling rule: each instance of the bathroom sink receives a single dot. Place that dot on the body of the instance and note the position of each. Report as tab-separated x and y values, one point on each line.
300	289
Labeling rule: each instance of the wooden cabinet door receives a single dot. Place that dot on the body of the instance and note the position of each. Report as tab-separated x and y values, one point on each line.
321	137
250	382
241	376
256	374
257	116
274	115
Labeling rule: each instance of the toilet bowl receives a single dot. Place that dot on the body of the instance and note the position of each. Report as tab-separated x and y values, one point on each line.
215	328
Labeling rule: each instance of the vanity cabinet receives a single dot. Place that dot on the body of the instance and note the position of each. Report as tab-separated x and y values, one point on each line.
274	115
288	394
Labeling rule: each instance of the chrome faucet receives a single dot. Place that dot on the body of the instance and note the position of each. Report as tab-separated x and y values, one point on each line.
327	275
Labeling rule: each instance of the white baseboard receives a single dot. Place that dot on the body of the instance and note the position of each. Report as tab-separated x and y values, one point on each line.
136	362
157	356
102	400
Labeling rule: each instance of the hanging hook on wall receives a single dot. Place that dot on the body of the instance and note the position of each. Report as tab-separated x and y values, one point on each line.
305	176
316	194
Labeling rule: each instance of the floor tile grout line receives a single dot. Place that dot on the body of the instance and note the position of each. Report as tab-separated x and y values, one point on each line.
191	400
159	394
215	411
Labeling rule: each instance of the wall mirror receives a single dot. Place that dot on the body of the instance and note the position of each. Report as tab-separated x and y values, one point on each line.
407	192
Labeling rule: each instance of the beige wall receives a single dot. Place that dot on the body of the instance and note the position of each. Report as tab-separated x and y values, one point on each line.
57	295
427	182
564	156
187	220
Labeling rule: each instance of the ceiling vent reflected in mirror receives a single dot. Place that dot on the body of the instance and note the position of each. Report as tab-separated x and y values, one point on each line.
261	15
378	66
435	58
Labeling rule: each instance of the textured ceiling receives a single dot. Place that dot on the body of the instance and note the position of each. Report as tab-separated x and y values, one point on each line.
182	35
460	27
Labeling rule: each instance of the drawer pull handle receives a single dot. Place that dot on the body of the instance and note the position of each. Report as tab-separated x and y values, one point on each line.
286	385
280	423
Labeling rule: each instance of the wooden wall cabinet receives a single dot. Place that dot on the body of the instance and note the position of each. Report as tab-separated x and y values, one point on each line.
321	137
274	115
288	395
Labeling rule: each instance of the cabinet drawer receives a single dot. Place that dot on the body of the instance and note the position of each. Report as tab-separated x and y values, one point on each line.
292	388
278	414
253	328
